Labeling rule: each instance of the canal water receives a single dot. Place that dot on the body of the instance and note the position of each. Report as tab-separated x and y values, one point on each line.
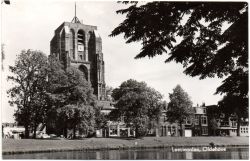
149	154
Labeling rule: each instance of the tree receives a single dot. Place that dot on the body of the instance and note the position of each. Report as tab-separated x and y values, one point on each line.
214	113
138	104
72	98
179	107
29	93
79	117
101	119
213	125
109	91
195	35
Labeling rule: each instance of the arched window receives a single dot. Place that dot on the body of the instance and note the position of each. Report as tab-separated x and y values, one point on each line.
84	69
72	44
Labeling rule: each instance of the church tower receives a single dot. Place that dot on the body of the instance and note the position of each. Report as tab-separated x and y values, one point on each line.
79	45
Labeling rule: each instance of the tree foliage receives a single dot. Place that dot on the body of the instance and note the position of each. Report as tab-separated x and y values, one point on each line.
109	91
29	91
72	97
208	38
214	113
78	117
179	107
138	104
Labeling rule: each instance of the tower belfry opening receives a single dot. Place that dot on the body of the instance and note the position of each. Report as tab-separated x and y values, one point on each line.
75	19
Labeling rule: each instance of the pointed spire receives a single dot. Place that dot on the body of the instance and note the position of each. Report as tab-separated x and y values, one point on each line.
75	19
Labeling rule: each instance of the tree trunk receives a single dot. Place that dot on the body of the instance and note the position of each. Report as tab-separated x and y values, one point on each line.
65	131
26	133
136	132
34	131
238	126
74	132
181	132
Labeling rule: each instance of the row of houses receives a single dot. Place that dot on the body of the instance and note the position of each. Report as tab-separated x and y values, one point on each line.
201	123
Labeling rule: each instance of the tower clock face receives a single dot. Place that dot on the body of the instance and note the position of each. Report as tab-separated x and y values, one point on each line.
80	47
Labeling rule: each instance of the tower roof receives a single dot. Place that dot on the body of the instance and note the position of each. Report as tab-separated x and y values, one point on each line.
75	19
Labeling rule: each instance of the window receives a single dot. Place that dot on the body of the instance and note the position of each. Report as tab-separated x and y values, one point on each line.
204	120
234	131
233	123
243	130
131	132
113	130
169	130
173	131
122	118
80	40
204	131
187	121
196	121
204	110
165	118
80	57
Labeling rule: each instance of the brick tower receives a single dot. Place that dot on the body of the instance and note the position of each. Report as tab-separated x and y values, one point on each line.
79	45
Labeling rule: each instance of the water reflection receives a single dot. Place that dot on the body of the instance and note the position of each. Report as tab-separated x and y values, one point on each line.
149	154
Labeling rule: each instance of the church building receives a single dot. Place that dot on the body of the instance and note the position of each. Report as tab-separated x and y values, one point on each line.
79	45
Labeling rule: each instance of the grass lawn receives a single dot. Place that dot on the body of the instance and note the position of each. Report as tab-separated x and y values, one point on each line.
32	145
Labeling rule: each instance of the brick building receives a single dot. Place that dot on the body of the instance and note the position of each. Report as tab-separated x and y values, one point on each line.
79	45
194	125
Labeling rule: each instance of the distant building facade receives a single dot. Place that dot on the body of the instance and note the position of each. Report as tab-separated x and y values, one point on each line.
227	126
199	124
194	125
80	46
200	121
166	128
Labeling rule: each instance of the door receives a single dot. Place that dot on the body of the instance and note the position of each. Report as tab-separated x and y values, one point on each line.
188	133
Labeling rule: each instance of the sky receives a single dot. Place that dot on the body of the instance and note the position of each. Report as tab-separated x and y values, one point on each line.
30	24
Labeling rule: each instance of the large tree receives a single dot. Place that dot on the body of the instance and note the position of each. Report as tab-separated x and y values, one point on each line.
179	107
71	98
208	38
78	117
29	91
213	114
138	104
